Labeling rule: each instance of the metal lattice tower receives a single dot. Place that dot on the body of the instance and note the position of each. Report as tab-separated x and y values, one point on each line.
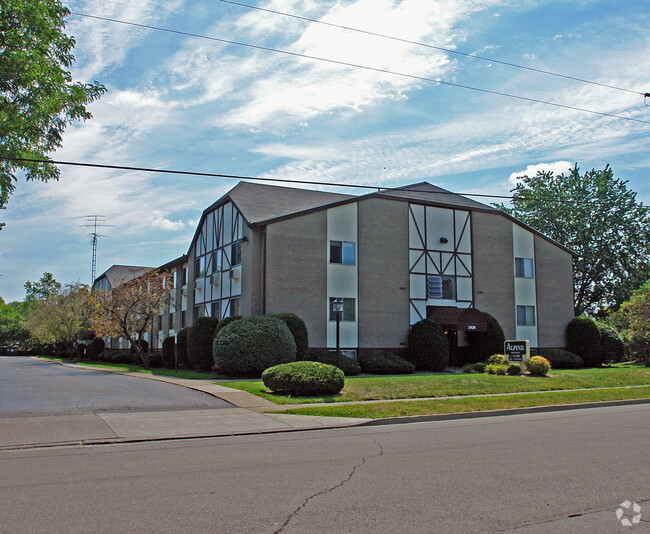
94	222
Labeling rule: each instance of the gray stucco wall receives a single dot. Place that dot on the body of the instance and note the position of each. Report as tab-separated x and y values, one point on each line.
252	261
296	267
383	274
494	271
554	279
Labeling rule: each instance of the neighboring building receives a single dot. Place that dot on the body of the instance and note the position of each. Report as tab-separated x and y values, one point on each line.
393	256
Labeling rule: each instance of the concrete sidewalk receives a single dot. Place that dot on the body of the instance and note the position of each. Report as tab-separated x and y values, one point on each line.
244	417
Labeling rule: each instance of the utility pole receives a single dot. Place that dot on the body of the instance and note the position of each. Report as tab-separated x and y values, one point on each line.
94	222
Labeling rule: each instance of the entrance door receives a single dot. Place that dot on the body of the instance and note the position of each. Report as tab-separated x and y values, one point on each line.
452	337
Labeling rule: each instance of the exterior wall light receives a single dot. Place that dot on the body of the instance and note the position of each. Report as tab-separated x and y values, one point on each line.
444	240
337	308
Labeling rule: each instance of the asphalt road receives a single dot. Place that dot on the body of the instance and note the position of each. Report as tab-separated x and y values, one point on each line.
38	387
537	473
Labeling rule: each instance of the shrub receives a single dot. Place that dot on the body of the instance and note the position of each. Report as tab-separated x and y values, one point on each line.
181	348
154	360
498	359
483	344
144	345
428	347
562	359
496	369
347	365
168	354
538	366
304	378
299	332
514	369
95	348
199	343
469	368
380	362
250	345
225	322
611	345
479	367
583	339
122	356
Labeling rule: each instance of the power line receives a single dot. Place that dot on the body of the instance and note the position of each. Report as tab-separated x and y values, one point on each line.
426	45
379	189
364	67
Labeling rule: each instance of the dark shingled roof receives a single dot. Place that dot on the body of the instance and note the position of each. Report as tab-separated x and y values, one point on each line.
427	193
119	274
261	202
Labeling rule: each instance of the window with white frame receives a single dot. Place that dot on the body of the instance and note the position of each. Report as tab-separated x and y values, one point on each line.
524	268
349	309
441	287
342	252
525	315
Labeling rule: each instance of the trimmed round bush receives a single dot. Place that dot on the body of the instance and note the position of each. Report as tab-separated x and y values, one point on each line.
514	369
181	347
304	378
479	367
349	366
469	368
298	330
562	359
583	339
381	362
250	345
143	343
612	346
124	356
427	346
169	352
225	322
483	344
154	360
538	366
199	343
496	369
498	359
95	348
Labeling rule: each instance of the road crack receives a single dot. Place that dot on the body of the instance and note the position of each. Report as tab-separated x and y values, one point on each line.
333	488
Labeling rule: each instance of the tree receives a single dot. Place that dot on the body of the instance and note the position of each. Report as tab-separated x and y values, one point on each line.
598	217
130	309
12	329
46	287
62	317
38	98
633	318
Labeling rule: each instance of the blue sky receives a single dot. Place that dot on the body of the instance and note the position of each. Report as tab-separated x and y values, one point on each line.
179	102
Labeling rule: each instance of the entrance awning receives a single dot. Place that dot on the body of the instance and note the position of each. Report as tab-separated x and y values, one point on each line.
450	318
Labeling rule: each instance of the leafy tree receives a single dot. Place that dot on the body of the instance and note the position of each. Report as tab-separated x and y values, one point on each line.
633	318
12	329
62	317
597	216
38	97
46	287
129	309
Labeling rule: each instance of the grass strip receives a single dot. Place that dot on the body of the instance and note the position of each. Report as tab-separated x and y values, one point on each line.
450	385
471	404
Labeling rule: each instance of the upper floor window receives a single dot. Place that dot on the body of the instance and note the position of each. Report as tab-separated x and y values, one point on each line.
525	315
342	252
184	276
524	268
441	287
235	253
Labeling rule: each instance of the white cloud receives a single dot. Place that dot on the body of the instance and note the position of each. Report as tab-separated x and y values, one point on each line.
160	221
556	167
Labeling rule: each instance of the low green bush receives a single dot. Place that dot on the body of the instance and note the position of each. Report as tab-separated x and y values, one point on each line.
123	356
583	339
514	369
169	352
250	345
181	348
479	367
496	369
95	348
199	343
347	365
469	368
498	359
304	378
143	343
611	344
562	359
483	344
381	362
427	346
154	360
299	332
538	366
225	322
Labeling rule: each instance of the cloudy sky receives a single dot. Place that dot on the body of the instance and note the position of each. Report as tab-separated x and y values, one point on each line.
183	102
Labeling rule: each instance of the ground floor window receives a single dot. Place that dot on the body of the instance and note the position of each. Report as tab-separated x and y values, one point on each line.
525	315
234	307
349	309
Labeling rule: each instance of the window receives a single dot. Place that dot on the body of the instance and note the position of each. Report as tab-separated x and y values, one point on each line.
235	253
198	312
183	319
525	315
171	321
214	310
441	287
349	311
524	267
234	307
342	252
216	261
184	276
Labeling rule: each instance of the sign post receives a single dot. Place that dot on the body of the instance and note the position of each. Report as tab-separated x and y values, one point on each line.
517	351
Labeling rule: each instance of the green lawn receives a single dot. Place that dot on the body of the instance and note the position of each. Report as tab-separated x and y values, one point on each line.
471	404
445	385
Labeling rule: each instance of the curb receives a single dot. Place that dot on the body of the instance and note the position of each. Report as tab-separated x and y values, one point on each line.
495	413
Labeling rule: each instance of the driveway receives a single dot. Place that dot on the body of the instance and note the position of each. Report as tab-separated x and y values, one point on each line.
30	387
